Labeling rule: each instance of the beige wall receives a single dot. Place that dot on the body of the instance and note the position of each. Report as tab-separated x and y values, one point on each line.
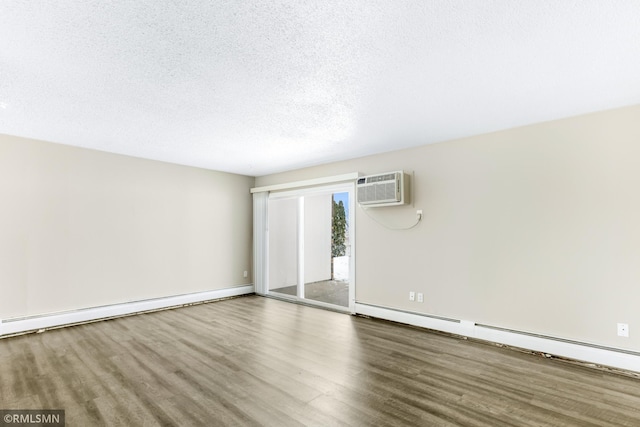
82	228
535	228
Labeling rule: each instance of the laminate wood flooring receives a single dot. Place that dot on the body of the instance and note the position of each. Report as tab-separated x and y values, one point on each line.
256	361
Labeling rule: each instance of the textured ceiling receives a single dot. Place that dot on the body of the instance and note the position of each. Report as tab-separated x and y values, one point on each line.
256	87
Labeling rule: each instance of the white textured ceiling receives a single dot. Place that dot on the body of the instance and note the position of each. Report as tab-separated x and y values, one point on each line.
256	87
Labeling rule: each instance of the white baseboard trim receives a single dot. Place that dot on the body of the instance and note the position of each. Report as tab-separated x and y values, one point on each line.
593	354
33	323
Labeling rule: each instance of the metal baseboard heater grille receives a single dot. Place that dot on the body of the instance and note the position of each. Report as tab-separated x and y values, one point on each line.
564	340
510	331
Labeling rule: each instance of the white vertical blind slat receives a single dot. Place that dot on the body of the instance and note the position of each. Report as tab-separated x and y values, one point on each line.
260	241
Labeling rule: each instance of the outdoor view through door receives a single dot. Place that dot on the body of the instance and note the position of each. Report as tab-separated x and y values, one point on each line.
310	247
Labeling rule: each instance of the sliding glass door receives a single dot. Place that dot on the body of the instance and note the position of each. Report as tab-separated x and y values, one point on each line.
309	246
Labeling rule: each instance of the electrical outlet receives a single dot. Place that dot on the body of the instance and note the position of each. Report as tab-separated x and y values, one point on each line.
420	297
412	296
245	274
623	330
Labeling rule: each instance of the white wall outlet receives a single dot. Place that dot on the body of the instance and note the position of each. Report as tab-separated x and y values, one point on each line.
412	296
420	297
245	274
623	330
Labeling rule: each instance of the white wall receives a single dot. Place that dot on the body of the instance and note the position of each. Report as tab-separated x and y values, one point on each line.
535	229
81	228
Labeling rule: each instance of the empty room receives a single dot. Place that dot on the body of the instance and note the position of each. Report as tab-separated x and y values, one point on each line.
320	213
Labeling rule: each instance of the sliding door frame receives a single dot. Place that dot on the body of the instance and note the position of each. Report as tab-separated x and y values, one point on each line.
299	194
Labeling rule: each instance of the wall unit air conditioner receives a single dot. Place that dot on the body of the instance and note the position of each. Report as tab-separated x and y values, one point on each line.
385	189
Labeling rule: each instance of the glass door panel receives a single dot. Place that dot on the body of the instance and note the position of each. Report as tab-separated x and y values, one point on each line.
326	263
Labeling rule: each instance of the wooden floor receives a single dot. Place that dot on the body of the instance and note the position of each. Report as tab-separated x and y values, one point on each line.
260	361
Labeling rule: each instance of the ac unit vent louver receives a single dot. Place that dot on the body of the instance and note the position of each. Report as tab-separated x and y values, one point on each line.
387	189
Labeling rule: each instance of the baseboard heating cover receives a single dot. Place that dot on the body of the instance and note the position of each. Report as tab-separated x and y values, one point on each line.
19	325
627	360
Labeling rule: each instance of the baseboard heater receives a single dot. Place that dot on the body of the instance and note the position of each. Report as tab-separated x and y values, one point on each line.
25	324
593	354
98	307
412	313
563	340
